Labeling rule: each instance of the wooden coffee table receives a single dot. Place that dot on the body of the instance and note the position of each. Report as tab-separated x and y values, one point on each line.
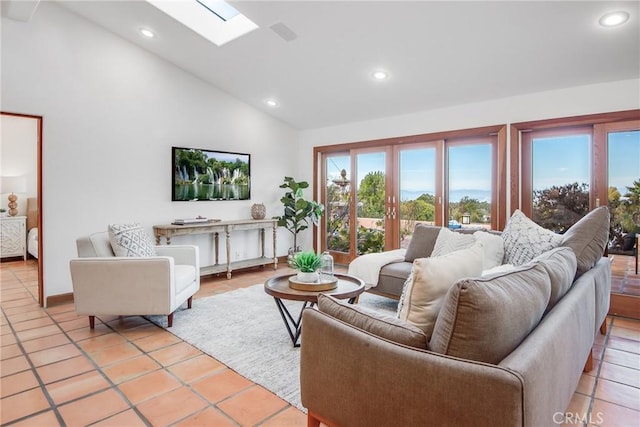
349	287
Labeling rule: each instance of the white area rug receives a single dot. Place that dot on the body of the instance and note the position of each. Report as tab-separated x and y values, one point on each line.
243	329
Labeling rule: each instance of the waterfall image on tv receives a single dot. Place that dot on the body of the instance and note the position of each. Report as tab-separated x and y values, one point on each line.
210	175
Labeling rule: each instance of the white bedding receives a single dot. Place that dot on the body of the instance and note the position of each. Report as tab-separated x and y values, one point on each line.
32	242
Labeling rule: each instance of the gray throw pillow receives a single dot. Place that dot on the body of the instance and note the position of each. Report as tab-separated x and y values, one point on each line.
485	319
130	240
422	242
385	327
588	238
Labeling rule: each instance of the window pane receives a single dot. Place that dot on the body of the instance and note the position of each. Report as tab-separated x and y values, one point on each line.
623	154
469	185
560	178
370	193
417	190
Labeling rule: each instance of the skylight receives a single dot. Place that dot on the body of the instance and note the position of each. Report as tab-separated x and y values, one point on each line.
215	20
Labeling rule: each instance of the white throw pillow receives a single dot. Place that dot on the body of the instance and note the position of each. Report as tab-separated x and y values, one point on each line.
449	241
493	247
429	282
524	239
130	240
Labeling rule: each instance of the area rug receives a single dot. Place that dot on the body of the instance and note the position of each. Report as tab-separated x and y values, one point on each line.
243	329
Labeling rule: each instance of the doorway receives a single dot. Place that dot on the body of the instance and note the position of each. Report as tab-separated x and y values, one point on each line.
21	149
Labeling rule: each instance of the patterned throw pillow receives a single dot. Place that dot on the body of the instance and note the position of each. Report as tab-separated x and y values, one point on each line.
130	240
524	239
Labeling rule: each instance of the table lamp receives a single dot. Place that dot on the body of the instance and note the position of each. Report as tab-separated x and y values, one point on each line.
12	185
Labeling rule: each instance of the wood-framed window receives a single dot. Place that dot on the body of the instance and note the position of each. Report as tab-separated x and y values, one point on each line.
376	191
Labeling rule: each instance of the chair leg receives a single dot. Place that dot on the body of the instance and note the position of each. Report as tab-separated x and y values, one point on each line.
92	322
588	366
189	301
170	320
603	327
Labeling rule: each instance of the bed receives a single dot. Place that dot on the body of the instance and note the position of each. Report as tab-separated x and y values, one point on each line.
32	226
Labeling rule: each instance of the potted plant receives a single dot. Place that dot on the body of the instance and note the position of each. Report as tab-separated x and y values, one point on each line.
297	210
306	263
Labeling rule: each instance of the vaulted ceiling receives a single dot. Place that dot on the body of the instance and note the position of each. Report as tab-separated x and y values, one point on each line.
437	53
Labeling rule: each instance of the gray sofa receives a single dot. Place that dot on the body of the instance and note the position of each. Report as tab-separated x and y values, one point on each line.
505	351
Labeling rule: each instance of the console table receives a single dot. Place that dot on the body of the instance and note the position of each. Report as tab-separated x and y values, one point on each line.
226	227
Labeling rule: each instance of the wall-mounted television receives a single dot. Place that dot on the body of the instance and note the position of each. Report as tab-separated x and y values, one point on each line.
210	175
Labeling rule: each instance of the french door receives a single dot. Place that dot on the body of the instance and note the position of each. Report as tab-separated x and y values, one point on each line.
375	196
359	203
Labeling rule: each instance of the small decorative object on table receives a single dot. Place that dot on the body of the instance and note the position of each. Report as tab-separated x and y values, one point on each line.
258	211
326	267
307	278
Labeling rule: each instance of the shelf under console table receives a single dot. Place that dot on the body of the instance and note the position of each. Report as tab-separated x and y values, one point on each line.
226	227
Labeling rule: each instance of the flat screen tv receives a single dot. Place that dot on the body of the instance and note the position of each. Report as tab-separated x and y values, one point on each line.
210	175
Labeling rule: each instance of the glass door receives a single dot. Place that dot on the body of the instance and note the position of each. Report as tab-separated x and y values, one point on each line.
374	204
419	192
336	227
556	181
623	199
470	177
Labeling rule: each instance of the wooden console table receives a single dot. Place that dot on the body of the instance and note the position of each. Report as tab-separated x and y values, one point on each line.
226	227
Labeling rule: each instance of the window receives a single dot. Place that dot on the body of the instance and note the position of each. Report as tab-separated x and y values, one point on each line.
387	187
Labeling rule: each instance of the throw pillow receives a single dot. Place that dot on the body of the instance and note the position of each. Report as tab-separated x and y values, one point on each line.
493	248
429	282
588	238
130	240
422	241
524	239
485	319
449	241
383	326
560	264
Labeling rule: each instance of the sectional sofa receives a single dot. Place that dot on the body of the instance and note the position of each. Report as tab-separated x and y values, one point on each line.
506	348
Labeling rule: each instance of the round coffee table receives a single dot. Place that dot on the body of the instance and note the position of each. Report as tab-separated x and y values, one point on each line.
348	287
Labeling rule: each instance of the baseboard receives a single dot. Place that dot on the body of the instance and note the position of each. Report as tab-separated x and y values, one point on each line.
625	305
54	300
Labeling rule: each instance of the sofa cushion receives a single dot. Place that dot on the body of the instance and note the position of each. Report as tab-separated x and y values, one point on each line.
130	240
383	326
422	242
429	282
493	247
448	242
485	319
588	238
560	264
524	239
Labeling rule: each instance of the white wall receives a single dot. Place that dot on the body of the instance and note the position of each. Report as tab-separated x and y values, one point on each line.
111	113
19	156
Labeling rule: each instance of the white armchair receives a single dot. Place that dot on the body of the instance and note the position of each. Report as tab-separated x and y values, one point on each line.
104	284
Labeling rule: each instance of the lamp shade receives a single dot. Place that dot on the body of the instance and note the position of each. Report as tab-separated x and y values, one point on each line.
13	184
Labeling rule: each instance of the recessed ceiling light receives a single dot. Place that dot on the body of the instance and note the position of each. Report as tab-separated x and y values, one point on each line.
271	102
380	75
614	19
147	33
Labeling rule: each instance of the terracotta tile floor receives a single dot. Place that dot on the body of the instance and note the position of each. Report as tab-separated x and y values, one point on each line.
128	372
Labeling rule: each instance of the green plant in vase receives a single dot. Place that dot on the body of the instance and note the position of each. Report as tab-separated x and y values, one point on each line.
306	263
297	210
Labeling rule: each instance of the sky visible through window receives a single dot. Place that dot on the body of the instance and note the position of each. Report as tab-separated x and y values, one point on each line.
561	160
556	161
624	159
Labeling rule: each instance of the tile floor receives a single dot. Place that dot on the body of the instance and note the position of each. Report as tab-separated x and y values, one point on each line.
128	372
